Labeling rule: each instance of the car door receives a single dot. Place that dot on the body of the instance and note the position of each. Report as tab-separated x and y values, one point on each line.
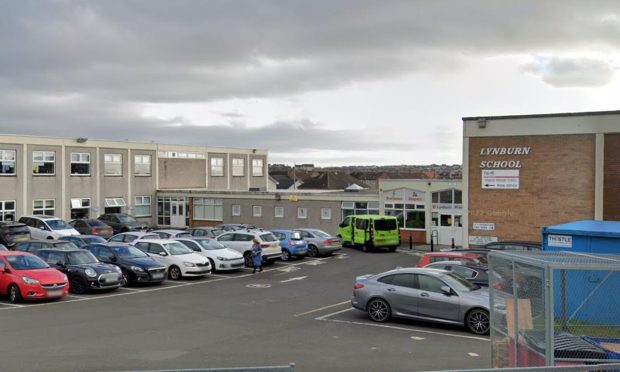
227	239
4	277
399	290
38	230
156	250
106	255
433	302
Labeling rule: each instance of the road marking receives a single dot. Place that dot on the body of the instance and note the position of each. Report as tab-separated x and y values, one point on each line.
221	276
314	263
258	285
289	269
473	354
79	297
12	305
342	256
293	279
325	318
415	338
131	289
323	308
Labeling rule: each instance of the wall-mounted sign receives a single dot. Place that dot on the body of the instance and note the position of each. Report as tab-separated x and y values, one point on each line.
481	240
503	151
486	226
447	207
560	241
404	196
500	179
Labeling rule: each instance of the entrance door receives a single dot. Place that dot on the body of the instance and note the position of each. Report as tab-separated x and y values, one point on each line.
450	228
177	213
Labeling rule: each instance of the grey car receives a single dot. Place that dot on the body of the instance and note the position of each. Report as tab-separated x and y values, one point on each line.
423	294
319	242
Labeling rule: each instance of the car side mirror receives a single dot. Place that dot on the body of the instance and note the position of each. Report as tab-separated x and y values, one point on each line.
163	254
447	290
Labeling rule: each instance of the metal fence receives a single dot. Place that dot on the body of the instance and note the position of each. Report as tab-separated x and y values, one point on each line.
554	309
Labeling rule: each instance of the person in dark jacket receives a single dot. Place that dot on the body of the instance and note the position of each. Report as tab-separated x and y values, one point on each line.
257	255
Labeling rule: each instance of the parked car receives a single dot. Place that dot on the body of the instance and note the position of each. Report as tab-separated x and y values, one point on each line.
3	248
319	242
136	266
177	257
370	232
13	232
235	226
220	257
476	274
241	241
430	257
84	270
424	294
132	237
92	227
82	240
33	246
122	222
209	232
170	233
47	227
292	244
24	276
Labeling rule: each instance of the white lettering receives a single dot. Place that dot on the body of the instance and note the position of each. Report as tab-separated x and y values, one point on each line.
511	150
502	151
526	150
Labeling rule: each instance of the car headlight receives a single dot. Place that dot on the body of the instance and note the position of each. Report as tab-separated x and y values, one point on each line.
28	280
65	278
189	264
90	272
137	269
222	258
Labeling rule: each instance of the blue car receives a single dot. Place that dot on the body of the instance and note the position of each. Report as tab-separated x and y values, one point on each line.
83	240
292	244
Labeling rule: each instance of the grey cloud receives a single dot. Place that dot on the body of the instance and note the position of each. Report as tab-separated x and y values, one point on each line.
571	72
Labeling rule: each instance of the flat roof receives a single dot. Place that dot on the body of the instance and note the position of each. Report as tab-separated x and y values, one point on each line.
608	229
559	114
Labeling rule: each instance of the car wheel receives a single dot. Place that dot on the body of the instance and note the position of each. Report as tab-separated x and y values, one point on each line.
15	295
393	249
286	255
125	278
379	310
313	251
365	248
247	257
78	285
174	273
212	265
477	321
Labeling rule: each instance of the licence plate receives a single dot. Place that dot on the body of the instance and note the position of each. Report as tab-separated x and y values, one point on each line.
54	293
158	276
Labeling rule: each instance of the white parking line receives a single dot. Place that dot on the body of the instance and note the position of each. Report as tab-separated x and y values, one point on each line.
11	305
131	289
74	296
323	308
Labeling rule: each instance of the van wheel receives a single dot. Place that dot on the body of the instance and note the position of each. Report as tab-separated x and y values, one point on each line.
393	249
366	247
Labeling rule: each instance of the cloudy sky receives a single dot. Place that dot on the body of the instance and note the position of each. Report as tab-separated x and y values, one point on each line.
327	82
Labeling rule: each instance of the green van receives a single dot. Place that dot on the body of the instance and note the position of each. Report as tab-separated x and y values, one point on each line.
370	232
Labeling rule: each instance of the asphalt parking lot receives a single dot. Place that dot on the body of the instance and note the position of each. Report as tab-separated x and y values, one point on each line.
297	311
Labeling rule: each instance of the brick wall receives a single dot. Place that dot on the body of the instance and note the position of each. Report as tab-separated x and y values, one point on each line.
556	185
418	237
611	185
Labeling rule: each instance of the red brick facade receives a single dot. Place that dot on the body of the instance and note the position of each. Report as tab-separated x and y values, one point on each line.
611	184
419	237
556	185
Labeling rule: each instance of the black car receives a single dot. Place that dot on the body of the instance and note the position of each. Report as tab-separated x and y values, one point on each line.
84	270
476	274
33	246
136	266
122	222
13	232
82	240
208	232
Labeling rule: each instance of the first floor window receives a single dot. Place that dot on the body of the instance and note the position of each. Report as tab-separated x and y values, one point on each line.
80	208
217	167
43	162
302	212
257	211
236	210
7	162
237	167
208	209
44	207
142	165
142	207
7	210
279	212
113	164
80	164
326	213
257	167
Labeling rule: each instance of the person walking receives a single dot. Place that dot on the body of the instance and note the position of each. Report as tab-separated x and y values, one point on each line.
257	255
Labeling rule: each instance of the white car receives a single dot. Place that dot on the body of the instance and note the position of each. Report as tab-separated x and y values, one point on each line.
241	241
132	237
220	257
171	233
47	227
178	258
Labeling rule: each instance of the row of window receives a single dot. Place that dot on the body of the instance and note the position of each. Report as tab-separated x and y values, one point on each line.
213	209
278	212
43	162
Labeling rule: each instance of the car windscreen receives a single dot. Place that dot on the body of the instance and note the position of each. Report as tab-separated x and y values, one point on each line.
128	252
65	245
268	237
93	239
96	223
385	225
81	258
177	249
26	262
150	236
126	219
211	245
58	225
183	235
458	283
321	233
217	232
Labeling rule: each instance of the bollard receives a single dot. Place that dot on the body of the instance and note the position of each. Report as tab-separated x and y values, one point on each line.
410	242
452	243
432	250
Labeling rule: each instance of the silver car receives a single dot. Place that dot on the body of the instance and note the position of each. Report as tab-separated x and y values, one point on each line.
319	242
423	294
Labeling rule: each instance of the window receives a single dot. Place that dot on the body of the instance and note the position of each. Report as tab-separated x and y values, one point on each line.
7	210
217	167
257	211
237	167
80	164
142	207
279	212
409	216
113	164
302	212
326	213
208	209
114	202
7	162
43	207
257	167
80	208
142	165
236	210
43	162
428	283
354	208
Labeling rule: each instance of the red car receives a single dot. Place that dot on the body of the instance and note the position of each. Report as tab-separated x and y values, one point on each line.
431	257
24	276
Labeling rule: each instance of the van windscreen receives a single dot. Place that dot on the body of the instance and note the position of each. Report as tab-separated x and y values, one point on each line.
385	225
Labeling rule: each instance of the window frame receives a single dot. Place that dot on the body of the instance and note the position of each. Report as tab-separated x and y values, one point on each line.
81	161
258	170
276	214
43	154
5	212
217	167
4	159
235	210
257	211
139	203
139	162
212	208
109	163
326	216
44	208
300	215
238	170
